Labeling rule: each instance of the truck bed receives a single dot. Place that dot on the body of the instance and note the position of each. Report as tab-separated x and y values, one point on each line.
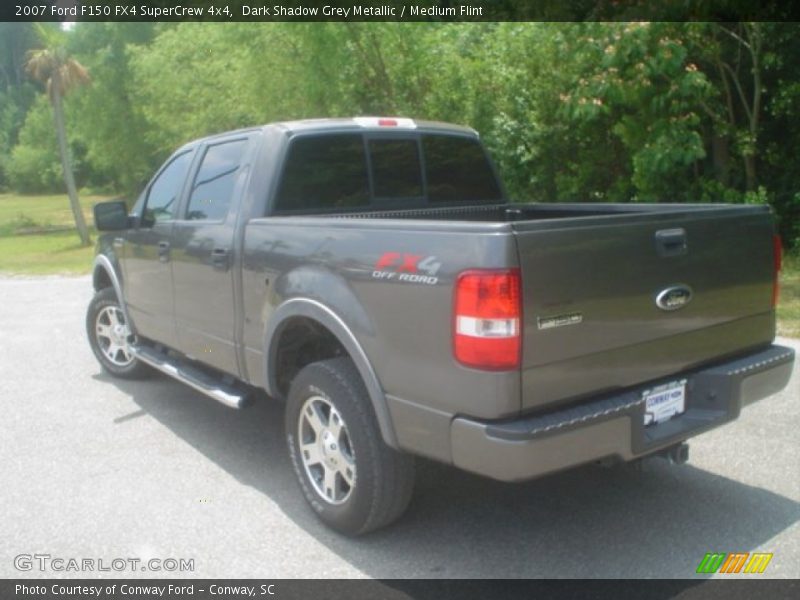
590	277
534	212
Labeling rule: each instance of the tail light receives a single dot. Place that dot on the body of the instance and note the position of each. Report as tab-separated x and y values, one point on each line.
777	257
488	319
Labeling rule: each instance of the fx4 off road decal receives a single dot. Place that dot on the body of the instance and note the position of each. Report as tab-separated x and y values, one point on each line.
409	268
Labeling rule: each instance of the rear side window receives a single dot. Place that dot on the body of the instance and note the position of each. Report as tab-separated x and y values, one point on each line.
396	172
457	170
162	199
213	185
323	172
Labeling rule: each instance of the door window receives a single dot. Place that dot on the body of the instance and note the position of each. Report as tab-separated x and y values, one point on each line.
162	199
213	186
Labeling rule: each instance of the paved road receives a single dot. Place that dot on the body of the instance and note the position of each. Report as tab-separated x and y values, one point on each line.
97	468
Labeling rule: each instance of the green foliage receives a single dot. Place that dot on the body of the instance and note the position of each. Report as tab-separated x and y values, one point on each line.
648	92
191	81
16	94
34	165
106	117
589	112
33	170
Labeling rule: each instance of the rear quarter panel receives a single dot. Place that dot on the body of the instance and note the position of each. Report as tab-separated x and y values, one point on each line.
404	327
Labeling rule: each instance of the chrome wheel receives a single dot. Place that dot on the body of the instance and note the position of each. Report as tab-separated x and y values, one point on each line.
114	337
326	451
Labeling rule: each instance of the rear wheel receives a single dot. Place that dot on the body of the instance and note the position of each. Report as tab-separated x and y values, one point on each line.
111	338
349	476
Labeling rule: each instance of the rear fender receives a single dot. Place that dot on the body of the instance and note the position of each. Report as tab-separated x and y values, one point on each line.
314	309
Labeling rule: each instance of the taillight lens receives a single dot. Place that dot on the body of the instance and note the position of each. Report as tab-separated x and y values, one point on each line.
488	319
777	257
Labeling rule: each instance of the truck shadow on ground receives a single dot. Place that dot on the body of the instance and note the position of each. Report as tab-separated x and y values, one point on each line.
657	521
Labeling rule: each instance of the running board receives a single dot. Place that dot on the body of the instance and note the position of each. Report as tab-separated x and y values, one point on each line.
228	394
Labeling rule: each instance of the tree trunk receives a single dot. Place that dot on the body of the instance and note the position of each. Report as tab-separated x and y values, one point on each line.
720	154
69	179
750	172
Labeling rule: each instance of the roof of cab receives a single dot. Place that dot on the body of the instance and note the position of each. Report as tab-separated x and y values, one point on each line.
348	124
370	123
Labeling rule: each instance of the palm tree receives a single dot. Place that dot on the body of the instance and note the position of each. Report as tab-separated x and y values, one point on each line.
60	74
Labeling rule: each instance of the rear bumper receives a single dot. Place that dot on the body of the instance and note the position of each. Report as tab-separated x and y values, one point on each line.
612	426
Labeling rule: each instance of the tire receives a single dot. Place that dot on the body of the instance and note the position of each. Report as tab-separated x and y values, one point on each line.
110	337
329	414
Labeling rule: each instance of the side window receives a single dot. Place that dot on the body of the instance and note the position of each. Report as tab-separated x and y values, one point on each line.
321	172
396	170
457	170
213	185
162	199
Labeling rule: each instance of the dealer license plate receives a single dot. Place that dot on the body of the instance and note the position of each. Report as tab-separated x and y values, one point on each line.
664	402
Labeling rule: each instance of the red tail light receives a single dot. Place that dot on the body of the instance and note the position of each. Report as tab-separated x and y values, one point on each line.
777	257
387	122
488	319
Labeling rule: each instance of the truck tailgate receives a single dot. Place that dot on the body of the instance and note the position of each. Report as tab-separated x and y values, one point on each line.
590	286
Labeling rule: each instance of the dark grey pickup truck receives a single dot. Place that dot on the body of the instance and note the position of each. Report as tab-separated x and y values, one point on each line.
372	274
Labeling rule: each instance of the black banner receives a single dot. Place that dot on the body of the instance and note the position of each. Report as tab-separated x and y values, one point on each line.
399	589
398	10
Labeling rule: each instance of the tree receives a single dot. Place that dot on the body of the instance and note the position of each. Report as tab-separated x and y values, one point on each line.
105	118
60	74
740	69
16	93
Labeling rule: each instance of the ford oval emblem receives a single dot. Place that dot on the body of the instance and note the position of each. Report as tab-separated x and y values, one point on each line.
674	297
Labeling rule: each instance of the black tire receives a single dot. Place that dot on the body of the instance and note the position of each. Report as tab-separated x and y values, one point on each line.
105	302
383	477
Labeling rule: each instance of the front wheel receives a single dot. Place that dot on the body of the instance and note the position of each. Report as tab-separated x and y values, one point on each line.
111	338
350	477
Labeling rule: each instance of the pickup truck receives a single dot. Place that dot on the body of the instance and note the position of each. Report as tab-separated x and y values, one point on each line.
372	274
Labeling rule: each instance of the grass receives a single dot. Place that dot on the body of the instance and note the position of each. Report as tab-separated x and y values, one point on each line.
37	235
789	303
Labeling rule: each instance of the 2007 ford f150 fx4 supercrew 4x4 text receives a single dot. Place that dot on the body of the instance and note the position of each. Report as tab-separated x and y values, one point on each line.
372	274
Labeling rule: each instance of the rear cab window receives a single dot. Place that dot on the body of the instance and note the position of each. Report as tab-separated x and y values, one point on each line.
396	169
324	172
457	170
362	171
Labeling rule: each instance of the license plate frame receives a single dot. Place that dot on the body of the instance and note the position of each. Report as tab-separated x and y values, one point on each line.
664	402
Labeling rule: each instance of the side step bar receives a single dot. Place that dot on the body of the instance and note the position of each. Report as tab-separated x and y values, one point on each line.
228	394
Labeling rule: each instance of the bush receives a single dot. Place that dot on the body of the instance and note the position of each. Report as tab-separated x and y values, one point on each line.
34	164
34	170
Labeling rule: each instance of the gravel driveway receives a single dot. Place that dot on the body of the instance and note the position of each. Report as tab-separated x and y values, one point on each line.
97	468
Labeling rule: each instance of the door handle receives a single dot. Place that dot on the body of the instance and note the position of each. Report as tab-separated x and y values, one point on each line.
163	251
219	258
671	242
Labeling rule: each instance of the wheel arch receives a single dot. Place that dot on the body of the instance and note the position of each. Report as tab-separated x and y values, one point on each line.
305	308
105	275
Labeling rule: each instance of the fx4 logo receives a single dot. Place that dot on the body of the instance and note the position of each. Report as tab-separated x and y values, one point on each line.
410	268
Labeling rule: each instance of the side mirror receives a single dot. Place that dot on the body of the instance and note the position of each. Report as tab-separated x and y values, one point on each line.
111	216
